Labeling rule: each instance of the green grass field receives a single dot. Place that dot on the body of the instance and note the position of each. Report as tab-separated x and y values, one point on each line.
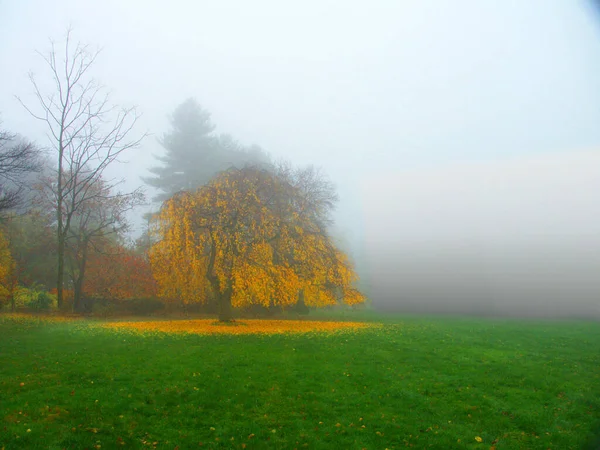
440	383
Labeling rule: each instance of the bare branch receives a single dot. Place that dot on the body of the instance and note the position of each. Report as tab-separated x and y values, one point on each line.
88	134
18	158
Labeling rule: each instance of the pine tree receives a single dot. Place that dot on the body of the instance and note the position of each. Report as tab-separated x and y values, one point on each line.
194	153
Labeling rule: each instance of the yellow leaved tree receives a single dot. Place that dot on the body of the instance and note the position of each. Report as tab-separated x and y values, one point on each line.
252	236
8	280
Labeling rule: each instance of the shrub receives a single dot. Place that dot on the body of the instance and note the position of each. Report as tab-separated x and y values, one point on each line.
35	298
145	306
137	306
41	301
104	308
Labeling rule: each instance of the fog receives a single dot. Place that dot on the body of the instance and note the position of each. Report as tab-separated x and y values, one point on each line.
463	136
518	238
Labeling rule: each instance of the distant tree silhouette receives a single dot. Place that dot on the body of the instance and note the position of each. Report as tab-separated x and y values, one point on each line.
194	153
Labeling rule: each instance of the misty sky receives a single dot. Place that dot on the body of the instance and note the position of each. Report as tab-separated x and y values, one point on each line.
367	90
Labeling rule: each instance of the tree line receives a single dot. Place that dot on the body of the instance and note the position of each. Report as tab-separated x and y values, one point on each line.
231	228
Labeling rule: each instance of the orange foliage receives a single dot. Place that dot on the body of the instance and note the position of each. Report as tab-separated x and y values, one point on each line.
207	326
7	270
119	274
37	318
249	237
67	294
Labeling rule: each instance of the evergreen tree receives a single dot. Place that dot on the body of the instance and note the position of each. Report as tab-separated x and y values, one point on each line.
194	153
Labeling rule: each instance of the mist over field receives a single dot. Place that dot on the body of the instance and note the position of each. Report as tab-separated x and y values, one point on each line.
519	238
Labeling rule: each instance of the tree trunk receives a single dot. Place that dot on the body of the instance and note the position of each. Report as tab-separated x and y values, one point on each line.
78	304
59	218
300	306
61	269
225	309
223	298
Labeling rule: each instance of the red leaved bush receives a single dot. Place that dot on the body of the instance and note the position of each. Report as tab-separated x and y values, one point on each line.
119	274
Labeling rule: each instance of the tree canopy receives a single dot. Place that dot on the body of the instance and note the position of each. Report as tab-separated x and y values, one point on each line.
18	159
252	236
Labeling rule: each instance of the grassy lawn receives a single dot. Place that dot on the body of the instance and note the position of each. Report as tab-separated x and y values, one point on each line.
415	382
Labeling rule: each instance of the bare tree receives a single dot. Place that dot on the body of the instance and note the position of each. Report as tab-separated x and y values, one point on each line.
100	218
18	158
87	133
